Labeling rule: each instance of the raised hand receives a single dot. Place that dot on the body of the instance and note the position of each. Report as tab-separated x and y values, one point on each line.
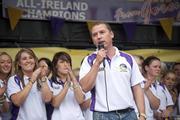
101	54
36	74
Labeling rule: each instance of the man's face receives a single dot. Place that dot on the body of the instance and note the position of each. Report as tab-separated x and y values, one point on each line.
100	33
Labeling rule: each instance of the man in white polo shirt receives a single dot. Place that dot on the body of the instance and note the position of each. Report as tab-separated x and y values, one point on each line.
113	77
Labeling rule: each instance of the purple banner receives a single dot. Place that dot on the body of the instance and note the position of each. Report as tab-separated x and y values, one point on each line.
118	11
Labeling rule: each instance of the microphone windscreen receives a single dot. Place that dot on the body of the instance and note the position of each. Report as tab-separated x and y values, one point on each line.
100	45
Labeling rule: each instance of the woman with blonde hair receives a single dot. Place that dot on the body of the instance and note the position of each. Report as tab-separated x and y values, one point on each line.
27	98
5	73
169	79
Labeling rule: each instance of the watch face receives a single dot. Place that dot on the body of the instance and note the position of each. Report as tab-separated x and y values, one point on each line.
44	79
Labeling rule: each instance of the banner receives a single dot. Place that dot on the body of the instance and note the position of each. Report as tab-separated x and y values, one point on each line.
14	16
56	24
167	26
141	11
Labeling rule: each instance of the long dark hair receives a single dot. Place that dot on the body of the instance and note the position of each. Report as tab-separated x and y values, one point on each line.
48	62
59	56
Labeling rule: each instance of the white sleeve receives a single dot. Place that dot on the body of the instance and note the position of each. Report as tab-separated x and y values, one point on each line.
85	68
154	91
136	76
12	86
169	97
50	85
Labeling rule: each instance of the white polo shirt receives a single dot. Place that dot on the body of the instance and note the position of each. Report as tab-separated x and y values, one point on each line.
69	109
5	115
33	107
148	110
88	115
2	85
121	73
164	95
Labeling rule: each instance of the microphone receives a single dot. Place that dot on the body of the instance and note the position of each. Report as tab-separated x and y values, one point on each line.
100	46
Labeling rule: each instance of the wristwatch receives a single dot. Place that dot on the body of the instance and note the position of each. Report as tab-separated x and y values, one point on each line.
44	79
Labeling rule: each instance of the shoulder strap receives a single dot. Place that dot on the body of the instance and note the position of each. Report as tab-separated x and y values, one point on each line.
15	109
163	85
18	82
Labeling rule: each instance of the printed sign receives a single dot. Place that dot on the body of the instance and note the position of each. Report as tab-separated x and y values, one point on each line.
94	10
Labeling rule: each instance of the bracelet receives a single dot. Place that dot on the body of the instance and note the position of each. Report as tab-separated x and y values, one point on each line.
67	84
31	81
143	115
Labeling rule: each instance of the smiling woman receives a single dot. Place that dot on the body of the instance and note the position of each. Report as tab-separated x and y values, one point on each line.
27	100
5	73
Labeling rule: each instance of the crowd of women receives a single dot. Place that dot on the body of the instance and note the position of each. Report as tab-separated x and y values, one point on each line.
30	92
161	88
41	89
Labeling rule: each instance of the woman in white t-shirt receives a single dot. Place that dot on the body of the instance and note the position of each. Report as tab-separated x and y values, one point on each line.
151	69
152	66
169	79
85	106
67	93
28	99
5	73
